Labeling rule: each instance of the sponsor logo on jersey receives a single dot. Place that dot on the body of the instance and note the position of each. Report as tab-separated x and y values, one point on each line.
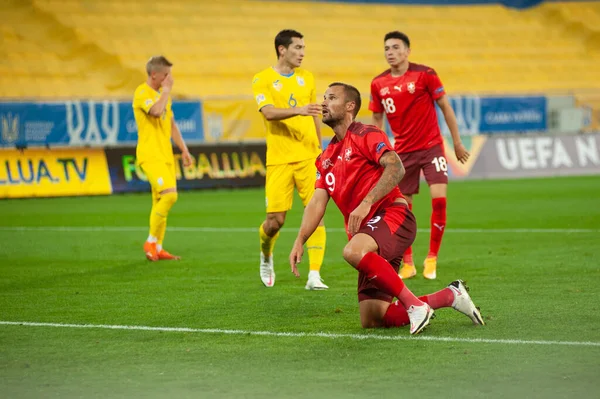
439	90
260	98
399	88
380	146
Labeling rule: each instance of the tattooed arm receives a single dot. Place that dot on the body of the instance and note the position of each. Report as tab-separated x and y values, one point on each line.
392	174
393	171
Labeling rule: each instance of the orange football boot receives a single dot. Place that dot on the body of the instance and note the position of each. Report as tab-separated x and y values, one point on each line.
150	250
430	266
164	255
407	271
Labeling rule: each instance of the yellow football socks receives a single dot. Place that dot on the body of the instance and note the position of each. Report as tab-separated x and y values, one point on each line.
155	198
266	243
159	213
161	235
316	248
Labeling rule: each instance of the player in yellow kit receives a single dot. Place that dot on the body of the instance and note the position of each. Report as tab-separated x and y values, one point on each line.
156	127
286	97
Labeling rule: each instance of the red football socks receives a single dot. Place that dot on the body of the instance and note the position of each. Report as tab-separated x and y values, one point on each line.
396	315
438	225
385	278
407	258
441	299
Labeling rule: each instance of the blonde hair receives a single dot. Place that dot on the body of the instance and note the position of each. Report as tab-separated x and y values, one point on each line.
157	62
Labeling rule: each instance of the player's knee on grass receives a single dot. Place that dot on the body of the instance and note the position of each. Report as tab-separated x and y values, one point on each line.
372	313
274	223
368	321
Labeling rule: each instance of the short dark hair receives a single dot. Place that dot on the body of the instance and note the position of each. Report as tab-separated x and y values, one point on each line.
158	61
351	93
284	38
397	35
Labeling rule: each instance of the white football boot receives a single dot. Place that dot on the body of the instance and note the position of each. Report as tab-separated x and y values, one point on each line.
267	272
315	282
419	317
463	302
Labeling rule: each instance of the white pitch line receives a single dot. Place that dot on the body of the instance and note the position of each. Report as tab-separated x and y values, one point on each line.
305	334
254	230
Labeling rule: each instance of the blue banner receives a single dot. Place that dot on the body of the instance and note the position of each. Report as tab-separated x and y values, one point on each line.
85	123
486	115
513	114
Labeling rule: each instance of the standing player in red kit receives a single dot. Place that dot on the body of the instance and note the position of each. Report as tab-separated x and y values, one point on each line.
360	170
406	93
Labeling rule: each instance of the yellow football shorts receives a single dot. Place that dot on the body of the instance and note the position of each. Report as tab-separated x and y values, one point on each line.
281	180
161	176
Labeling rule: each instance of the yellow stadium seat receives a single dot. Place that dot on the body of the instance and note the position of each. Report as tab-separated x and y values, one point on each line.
83	48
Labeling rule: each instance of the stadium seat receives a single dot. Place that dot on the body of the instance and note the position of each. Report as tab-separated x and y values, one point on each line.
218	46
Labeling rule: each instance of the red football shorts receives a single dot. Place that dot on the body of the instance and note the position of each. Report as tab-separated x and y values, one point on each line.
433	163
394	229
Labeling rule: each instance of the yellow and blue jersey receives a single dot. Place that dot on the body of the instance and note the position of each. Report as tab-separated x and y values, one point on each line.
293	139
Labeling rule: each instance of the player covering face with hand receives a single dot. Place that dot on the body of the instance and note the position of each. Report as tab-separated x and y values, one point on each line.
360	171
152	109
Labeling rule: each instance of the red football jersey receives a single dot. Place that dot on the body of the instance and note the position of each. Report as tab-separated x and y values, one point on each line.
408	102
350	168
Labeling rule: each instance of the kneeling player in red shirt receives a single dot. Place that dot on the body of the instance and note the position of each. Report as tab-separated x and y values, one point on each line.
361	171
406	93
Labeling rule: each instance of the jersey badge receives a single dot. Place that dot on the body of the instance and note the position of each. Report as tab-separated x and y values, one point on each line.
260	98
300	80
411	87
277	85
384	91
348	154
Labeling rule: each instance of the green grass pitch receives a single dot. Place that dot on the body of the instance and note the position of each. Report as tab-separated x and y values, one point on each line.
529	249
